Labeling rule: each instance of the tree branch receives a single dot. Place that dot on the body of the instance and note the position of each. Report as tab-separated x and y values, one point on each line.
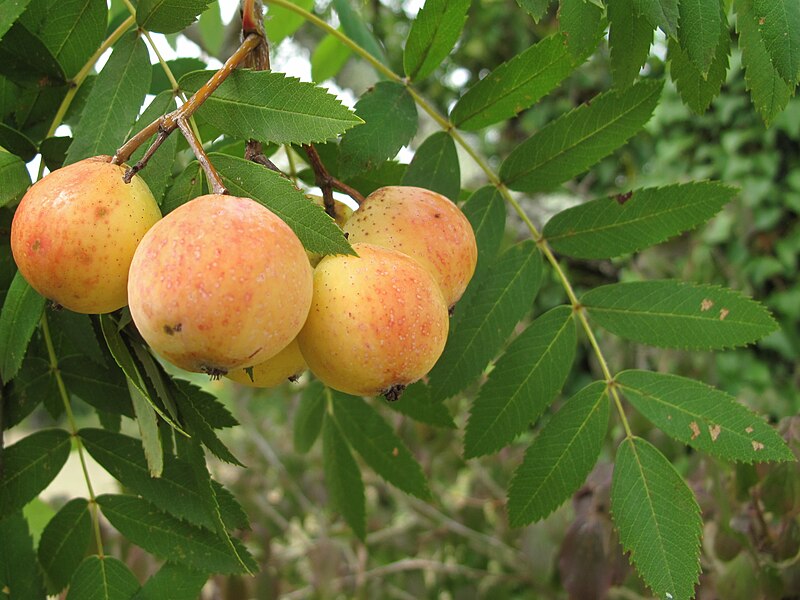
211	173
327	182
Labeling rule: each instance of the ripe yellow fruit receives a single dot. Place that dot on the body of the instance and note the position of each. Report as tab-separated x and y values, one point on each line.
423	224
378	322
286	364
75	231
218	284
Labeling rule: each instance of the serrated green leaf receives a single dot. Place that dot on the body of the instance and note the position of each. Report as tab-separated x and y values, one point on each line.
148	429
658	519
281	22
561	457
17	143
581	24
21	313
168	16
355	28
488	318
703	417
328	58
20	577
390	121
630	36
64	542
769	92
30	465
675	314
173	581
102	578
174	492
186	186
343	478
486	212
14	178
271	107
416	403
610	227
699	23
514	86
167	537
315	228
433	34
523	384
379	446
435	166
308	418
114	101
660	13
696	89
10	10
535	8
159	168
779	26
25	60
71	29
579	139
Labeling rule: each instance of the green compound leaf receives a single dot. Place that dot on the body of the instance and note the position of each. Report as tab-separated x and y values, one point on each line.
696	89
281	22
20	577
435	166
169	16
488	318
582	25
629	38
21	313
675	314
658	519
416	403
769	92
703	417
329	57
10	10
523	384
343	478
579	139
14	178
433	34
64	542
30	465
380	447
535	8
354	27
114	102
514	85
309	415
167	537
175	491
660	13
271	107
186	186
779	26
561	457
102	578
486	212
175	582
611	227
390	116
699	23
316	230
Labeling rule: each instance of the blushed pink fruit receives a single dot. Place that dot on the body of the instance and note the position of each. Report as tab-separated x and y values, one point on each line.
286	364
426	226
378	321
75	231
219	283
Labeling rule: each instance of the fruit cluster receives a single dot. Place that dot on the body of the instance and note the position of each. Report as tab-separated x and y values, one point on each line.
221	285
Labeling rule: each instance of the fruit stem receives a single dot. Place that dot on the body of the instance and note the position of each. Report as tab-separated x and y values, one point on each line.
73	426
493	178
211	173
170	122
327	182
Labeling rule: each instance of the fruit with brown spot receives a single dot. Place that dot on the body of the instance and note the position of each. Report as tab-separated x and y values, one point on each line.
423	224
377	321
75	232
220	283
